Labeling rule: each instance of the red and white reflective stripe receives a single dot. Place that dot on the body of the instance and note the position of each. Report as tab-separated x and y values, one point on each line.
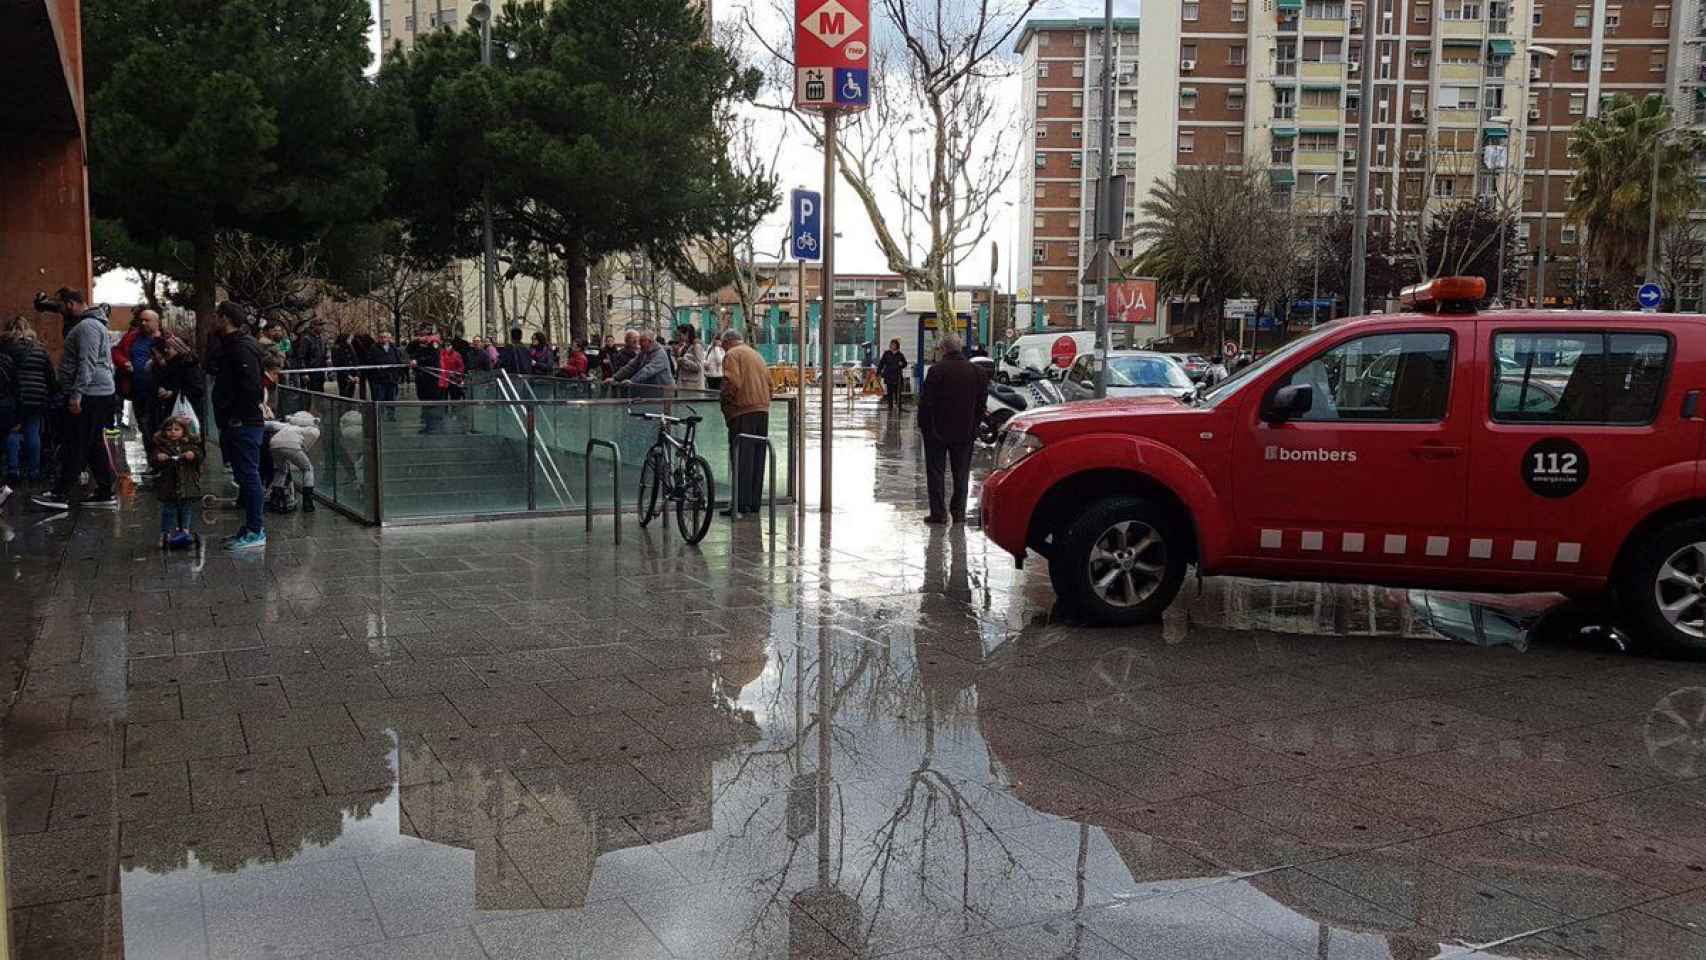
1402	545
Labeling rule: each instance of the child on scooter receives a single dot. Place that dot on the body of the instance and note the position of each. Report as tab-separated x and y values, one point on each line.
178	454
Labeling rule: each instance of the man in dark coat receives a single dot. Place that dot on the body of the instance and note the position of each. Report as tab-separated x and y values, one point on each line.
309	353
950	405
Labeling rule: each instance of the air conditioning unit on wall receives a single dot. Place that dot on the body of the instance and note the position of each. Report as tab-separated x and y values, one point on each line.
1186	66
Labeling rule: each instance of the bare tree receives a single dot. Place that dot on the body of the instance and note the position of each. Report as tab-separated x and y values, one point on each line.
941	76
1454	200
274	281
727	258
1682	261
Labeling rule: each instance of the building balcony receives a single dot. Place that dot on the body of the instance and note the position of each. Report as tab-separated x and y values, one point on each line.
1460	28
1458	117
1317	160
1315	204
1453	163
1323	71
1319	116
1459	72
1335	26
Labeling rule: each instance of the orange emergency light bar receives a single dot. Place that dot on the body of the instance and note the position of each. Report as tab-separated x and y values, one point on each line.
1445	295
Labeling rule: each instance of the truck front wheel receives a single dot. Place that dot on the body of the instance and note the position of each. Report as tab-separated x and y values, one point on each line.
1121	562
1663	589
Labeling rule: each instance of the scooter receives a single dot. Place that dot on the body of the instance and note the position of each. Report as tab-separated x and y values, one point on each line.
1029	390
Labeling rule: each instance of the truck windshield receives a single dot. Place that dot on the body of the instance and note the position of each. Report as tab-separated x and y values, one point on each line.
1233	383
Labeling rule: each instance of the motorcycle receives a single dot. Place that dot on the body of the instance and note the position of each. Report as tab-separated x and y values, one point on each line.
1030	389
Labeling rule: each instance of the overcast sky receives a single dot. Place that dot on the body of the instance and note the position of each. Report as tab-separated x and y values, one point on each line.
857	251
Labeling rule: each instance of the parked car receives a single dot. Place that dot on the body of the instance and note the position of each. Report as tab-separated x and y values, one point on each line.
1131	373
1393	449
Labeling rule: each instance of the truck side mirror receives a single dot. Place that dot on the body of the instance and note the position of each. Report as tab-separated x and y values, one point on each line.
1289	402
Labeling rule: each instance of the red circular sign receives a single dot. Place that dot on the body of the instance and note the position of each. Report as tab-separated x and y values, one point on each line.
1230	349
1063	351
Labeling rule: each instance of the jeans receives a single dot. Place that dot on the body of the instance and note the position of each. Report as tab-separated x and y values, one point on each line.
243	448
937	457
176	515
386	393
27	441
85	445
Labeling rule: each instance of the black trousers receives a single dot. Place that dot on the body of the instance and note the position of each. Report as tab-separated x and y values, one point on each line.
84	445
937	458
746	460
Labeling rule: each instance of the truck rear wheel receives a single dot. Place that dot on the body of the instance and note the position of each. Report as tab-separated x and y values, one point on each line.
1663	588
1122	561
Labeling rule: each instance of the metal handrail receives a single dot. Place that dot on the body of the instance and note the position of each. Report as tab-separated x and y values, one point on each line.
547	465
615	483
735	471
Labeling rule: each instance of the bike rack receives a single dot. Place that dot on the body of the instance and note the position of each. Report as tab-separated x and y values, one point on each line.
734	471
615	480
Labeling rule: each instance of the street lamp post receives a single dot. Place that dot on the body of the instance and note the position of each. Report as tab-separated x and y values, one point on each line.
1551	56
481	13
1653	206
1315	255
1509	124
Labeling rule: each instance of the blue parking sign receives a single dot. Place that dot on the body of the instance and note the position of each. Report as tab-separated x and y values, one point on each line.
805	232
852	88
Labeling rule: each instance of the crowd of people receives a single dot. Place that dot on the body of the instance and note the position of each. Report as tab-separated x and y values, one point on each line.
178	399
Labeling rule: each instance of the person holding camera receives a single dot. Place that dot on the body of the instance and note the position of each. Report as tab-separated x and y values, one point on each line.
91	401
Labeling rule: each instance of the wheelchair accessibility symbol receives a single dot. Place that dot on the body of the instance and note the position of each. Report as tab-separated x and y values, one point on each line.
852	87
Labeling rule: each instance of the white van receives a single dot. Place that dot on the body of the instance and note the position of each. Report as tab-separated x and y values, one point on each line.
1051	353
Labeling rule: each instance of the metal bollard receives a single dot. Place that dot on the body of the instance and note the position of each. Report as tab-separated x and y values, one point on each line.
734	470
615	483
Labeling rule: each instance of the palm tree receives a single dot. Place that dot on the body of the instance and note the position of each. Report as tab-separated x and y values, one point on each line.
1203	227
1614	168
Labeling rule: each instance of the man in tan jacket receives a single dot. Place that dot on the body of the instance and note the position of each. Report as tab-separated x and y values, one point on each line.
746	409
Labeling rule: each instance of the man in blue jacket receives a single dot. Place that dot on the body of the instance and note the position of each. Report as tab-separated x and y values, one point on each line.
91	402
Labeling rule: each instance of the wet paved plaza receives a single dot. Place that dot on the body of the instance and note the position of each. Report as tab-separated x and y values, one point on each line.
864	738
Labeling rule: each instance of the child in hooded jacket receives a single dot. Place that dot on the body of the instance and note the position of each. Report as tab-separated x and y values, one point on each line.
178	453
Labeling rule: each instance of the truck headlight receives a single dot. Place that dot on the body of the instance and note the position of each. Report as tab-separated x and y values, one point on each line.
1015	446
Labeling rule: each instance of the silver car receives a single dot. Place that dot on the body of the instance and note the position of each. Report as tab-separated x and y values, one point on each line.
1131	373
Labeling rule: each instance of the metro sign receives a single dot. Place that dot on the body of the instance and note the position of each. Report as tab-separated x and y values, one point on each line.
832	54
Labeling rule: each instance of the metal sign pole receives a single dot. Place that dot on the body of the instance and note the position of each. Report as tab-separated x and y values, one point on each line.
800	398
826	328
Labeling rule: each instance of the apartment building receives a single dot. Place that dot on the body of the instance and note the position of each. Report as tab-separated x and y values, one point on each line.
1062	70
1460	106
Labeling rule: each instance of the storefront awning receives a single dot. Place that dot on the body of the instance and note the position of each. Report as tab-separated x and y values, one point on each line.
1282	178
1289	132
1290	4
1501	48
1495	133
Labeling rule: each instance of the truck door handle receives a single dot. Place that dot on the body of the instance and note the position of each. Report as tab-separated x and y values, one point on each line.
1690	404
1435	451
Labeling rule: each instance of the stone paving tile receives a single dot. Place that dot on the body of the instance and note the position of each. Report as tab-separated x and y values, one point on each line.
249	779
288	910
334	686
131	793
59	865
599	737
267	731
510	703
191	668
91	928
153	743
62	751
245	695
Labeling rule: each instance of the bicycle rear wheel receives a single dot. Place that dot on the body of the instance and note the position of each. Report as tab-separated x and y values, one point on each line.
651	484
698	500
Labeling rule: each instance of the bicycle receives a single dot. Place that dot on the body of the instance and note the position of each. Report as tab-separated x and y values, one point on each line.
675	473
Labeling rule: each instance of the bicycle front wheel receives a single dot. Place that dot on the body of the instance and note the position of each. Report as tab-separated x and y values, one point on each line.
651	485
698	500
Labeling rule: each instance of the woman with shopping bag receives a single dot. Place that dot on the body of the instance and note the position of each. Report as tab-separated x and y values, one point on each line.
179	385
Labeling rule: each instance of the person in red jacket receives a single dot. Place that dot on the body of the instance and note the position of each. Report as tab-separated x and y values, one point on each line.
450	370
575	364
